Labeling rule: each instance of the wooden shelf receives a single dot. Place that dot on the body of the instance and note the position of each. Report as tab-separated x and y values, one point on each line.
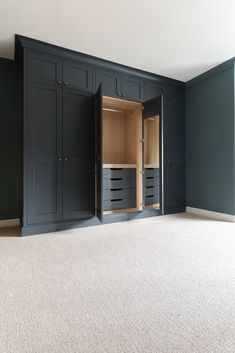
119	165
124	210
153	165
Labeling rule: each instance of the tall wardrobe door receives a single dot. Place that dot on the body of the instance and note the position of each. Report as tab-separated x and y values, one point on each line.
78	153
44	148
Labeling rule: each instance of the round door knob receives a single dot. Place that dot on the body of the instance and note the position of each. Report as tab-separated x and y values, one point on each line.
119	93
59	159
66	83
124	95
66	159
59	82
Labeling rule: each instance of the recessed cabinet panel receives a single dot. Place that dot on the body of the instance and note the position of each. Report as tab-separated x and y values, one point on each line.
44	69
132	88
43	150
174	185
154	89
77	75
78	155
111	82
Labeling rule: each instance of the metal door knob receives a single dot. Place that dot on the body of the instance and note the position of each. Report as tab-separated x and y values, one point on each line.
66	159
66	83
59	82
59	159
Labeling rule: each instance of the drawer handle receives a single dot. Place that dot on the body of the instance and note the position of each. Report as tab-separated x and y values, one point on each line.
116	189
116	168
150	168
150	177
116	179
115	200
149	187
150	195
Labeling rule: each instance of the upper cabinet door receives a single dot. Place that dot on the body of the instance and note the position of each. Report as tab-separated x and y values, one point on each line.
175	97
99	151
111	83
154	89
43	68
132	88
77	75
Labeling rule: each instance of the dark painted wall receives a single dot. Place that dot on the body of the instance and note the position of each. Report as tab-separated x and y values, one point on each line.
10	140
210	140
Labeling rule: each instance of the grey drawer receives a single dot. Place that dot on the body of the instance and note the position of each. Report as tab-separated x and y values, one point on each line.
116	204
152	190
152	172
119	194
152	181
117	183
119	173
149	200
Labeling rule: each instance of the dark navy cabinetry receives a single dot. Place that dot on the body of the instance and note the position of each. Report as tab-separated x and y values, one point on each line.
64	182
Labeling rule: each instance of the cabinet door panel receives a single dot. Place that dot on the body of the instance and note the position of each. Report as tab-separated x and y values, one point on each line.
43	151
132	88
44	68
77	75
154	90
174	156
111	83
78	152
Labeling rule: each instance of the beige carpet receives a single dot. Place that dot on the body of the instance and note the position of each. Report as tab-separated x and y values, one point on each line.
159	285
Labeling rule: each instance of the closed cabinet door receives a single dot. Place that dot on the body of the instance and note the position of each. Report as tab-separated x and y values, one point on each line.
132	88
77	75
174	157
154	89
44	154
78	155
111	83
43	68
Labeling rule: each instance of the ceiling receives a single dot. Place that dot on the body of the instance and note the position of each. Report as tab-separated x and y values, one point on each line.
175	38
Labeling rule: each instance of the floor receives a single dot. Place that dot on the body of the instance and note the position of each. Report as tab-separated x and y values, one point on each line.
158	285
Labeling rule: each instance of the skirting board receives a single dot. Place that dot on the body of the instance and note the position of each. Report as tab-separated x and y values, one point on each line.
210	214
9	223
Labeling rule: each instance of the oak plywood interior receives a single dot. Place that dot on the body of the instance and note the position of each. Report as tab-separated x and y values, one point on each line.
122	140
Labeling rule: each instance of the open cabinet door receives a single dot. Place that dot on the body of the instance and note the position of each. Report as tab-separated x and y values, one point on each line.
153	181
99	151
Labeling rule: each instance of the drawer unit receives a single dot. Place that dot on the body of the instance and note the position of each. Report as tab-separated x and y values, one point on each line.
152	186
117	204
119	193
152	190
119	188
151	199
110	173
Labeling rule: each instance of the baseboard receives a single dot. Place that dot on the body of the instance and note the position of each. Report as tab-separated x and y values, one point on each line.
211	214
9	222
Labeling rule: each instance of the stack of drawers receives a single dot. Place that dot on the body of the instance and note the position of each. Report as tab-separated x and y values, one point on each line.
152	186
119	188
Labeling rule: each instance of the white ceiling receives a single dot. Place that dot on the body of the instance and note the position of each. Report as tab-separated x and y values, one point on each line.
175	38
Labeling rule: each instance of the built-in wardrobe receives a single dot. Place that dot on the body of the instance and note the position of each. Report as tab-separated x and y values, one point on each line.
101	142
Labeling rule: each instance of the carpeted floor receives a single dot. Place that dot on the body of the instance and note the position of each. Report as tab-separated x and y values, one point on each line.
159	285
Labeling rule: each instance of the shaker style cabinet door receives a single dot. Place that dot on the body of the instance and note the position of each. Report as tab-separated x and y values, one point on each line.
132	88
174	158
77	75
111	82
44	151
43	68
78	155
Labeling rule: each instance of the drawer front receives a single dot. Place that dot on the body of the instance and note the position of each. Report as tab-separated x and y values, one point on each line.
118	183
151	181
116	204
119	193
119	173
152	172
152	190
149	200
